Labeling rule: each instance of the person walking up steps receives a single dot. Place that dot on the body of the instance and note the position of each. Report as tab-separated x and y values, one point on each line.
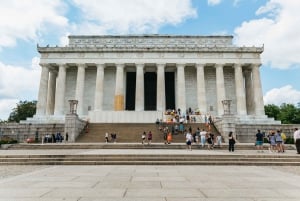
143	137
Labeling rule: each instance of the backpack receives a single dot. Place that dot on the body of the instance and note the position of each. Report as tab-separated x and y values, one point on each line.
283	136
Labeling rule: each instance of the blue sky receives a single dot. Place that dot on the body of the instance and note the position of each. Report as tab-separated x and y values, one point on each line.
272	23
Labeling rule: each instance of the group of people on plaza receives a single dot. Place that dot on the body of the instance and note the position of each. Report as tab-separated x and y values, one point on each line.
276	140
55	138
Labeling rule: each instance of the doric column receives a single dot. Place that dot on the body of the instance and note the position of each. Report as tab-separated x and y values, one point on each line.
119	92
42	95
220	88
181	87
80	87
51	93
99	87
240	90
249	91
139	88
257	90
161	99
60	90
201	93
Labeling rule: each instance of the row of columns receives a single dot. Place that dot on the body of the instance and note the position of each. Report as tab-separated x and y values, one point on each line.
52	90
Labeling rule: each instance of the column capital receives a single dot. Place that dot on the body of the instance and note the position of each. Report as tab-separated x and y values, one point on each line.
81	65
200	65
160	65
139	65
253	65
180	65
62	65
120	65
218	65
237	65
44	65
100	65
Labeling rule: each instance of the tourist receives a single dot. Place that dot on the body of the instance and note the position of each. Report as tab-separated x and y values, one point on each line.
210	139
143	137
165	133
259	141
188	139
169	138
231	142
272	141
283	136
297	140
203	137
149	137
278	141
66	137
106	137
219	141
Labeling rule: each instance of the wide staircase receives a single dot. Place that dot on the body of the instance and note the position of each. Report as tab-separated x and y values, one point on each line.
132	132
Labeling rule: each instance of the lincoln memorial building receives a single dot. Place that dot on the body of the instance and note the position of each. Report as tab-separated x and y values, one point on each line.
136	78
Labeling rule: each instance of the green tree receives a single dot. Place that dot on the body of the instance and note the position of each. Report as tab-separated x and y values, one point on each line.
289	114
272	110
23	110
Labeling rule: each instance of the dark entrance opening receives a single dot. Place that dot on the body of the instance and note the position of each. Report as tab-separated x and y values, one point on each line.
150	90
170	90
130	90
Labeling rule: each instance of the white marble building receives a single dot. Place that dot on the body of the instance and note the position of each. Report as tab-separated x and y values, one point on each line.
135	78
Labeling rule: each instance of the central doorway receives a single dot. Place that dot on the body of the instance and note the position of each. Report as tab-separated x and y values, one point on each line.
150	90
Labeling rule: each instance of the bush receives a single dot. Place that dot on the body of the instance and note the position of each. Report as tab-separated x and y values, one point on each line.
8	141
289	140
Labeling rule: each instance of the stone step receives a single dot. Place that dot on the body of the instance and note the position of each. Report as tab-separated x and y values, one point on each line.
24	146
151	159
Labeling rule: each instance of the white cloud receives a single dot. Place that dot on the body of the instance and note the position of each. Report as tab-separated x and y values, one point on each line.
213	2
278	29
132	16
286	94
26	20
17	83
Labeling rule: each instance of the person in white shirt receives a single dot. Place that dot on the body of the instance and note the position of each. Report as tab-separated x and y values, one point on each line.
203	137
297	140
188	138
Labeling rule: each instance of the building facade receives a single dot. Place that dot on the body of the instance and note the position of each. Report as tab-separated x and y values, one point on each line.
135	78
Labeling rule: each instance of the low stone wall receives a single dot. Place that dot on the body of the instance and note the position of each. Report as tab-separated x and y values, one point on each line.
74	126
22	131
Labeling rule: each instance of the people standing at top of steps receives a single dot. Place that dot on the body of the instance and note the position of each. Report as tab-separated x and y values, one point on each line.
149	137
66	137
231	141
272	141
106	137
165	133
219	141
143	137
259	141
297	139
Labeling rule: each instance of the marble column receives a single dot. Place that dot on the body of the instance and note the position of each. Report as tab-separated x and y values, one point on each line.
181	88
59	108
201	92
119	91
43	91
98	104
80	87
51	92
220	88
240	90
139	88
160	98
249	92
257	90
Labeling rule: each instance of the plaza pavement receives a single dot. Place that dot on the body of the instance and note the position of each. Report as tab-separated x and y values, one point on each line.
145	183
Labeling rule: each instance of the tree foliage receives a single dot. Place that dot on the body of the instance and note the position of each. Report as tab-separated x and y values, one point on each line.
286	113
23	110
